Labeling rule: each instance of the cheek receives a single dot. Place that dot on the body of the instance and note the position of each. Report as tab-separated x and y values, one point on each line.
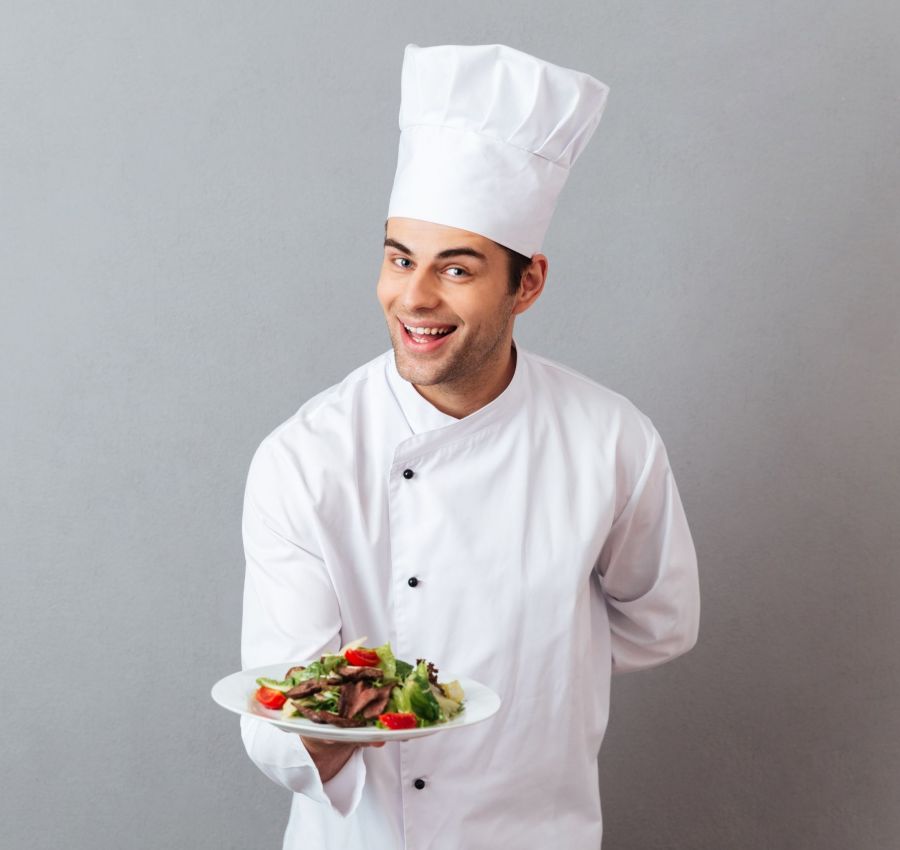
475	308
385	292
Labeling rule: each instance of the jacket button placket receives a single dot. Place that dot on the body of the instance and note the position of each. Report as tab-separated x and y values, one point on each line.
404	504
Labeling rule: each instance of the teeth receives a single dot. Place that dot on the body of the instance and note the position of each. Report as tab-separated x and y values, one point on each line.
424	331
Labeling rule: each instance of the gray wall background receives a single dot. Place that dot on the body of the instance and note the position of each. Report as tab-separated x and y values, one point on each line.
190	220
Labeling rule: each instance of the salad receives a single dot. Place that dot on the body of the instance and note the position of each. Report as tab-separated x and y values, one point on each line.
364	687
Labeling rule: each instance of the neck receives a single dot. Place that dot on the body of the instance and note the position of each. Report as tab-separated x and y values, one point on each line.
462	399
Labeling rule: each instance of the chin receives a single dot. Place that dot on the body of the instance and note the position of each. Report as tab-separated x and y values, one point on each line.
420	374
414	373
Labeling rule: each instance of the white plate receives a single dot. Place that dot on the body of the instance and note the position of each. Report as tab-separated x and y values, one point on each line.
235	692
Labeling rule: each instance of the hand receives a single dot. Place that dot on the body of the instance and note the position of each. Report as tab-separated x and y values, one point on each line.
330	756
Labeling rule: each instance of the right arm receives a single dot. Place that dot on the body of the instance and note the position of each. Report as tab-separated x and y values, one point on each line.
290	615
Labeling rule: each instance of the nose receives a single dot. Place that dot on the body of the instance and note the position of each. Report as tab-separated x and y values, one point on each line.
420	291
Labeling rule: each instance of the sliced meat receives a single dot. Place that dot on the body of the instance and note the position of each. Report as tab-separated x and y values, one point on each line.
360	674
305	689
358	698
352	699
380	699
318	716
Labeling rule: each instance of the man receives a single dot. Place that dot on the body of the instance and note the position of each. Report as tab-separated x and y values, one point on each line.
466	500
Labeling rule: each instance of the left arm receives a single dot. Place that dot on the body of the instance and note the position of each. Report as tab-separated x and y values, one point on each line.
648	571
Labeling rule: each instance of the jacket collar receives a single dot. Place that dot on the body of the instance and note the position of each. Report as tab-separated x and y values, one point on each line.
420	414
424	418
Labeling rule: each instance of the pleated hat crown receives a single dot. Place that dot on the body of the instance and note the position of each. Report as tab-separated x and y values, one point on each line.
488	136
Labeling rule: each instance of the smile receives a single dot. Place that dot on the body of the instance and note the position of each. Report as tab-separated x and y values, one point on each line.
425	338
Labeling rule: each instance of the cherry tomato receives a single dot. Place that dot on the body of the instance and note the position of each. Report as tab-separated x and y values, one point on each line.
362	657
398	720
270	698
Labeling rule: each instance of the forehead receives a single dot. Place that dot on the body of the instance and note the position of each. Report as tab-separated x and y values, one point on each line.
426	237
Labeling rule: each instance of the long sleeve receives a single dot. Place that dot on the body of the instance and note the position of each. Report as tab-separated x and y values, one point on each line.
290	614
648	571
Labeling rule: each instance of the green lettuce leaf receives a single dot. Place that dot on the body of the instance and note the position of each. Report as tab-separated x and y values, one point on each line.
386	661
394	668
415	696
319	669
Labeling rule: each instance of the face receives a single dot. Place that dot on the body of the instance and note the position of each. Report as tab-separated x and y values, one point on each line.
453	282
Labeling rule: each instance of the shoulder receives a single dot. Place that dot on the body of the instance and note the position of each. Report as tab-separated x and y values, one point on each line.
575	396
605	429
325	419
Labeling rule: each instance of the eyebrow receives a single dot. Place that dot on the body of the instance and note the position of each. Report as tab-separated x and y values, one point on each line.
442	255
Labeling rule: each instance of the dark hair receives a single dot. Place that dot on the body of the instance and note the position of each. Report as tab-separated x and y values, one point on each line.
517	265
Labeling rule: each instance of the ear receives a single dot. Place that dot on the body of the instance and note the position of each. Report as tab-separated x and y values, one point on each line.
532	284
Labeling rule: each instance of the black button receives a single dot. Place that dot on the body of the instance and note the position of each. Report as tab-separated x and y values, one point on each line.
419	784
413	582
408	473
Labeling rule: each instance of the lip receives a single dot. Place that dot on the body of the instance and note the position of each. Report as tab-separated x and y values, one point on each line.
423	347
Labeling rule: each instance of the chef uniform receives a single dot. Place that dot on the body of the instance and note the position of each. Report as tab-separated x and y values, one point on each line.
537	545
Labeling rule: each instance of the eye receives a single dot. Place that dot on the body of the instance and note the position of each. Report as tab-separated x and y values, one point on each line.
397	260
462	272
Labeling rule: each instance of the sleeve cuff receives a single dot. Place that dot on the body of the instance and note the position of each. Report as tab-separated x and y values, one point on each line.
344	789
282	757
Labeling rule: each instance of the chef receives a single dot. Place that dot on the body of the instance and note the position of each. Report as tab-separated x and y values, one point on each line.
467	500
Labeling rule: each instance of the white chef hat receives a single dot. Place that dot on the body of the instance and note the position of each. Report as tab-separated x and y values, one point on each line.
488	135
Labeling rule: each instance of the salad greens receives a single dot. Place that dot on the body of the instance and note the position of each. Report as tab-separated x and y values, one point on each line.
415	695
319	669
364	687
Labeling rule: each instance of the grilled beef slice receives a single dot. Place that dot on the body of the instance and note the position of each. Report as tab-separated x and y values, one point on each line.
359	674
361	698
307	688
381	698
328	717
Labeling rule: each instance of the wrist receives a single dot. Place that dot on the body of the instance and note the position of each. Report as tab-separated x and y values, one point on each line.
328	756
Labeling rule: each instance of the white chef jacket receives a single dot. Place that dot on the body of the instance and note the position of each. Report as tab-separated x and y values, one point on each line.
551	549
